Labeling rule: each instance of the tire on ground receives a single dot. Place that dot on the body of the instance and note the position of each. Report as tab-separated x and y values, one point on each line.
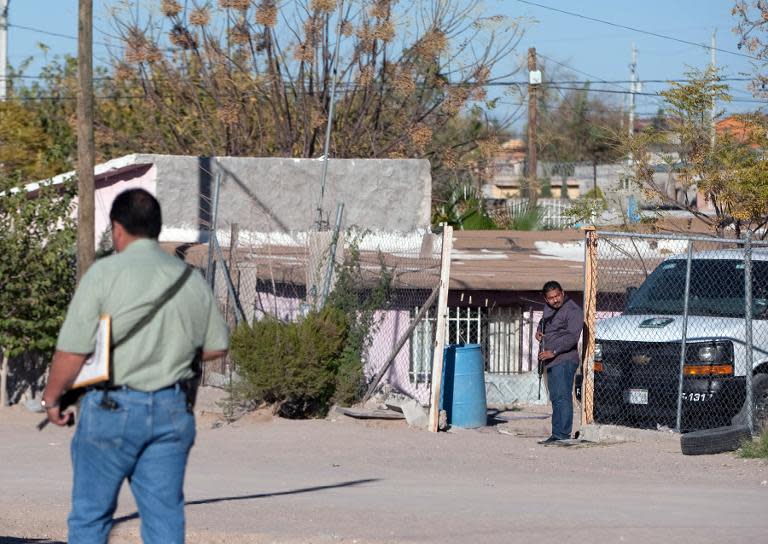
717	440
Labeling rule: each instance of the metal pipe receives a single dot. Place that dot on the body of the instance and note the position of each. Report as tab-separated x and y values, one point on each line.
212	229
684	336
710	239
3	48
530	337
749	356
329	122
239	314
332	257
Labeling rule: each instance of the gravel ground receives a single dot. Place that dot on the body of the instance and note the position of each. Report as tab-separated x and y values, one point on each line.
341	480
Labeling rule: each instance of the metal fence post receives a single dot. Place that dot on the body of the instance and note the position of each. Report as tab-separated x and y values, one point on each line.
239	313
748	359
210	276
684	335
332	256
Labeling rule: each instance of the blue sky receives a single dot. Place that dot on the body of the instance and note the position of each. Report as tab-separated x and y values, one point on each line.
605	51
593	48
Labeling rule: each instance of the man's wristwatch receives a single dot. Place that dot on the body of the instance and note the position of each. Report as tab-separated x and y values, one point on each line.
49	405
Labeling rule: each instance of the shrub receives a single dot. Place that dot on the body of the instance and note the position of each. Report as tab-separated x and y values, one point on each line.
359	305
302	367
292	365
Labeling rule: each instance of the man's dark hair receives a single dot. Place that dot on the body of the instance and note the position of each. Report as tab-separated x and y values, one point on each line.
551	286
138	212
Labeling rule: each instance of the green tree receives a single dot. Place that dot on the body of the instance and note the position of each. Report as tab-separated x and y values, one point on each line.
25	147
731	172
37	275
578	128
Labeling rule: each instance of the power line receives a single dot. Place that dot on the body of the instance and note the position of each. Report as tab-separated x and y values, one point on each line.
48	33
349	89
554	82
564	65
612	91
633	29
657	99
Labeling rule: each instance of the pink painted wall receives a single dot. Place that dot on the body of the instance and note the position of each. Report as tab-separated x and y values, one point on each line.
109	185
535	317
284	308
393	325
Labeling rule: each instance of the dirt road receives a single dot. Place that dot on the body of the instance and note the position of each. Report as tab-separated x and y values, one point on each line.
264	480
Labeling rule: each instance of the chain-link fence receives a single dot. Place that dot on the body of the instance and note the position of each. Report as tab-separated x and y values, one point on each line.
681	332
391	277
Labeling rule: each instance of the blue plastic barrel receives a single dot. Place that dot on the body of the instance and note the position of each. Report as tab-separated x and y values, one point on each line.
463	392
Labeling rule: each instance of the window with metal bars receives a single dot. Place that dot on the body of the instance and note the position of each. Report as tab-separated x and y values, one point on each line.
465	325
500	331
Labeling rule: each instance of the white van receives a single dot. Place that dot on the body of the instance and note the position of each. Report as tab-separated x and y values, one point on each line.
637	354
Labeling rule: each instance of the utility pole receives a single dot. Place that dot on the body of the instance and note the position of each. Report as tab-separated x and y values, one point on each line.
85	145
633	87
4	48
534	80
713	65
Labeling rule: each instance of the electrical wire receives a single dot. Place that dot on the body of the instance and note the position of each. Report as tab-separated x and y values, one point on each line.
634	29
350	88
48	33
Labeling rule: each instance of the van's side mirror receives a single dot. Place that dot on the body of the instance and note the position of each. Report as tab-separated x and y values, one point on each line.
628	296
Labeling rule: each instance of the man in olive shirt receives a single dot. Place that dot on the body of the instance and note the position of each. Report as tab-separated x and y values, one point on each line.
145	431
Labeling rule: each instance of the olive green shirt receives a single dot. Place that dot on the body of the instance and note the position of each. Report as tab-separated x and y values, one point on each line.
125	286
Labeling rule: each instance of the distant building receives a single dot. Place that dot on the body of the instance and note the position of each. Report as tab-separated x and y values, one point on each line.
740	129
510	170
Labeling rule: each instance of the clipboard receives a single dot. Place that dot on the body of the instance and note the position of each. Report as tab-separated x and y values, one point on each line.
96	367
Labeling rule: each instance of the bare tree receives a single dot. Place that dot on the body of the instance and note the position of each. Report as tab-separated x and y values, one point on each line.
249	77
751	27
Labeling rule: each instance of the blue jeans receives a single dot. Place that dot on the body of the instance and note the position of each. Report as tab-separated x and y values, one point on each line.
146	439
560	385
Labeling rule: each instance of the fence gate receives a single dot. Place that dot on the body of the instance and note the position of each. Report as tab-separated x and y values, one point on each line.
678	331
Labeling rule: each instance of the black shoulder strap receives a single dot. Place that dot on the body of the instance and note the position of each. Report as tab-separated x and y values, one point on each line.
165	297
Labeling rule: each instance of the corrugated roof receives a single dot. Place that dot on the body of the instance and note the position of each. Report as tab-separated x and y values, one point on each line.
481	260
517	260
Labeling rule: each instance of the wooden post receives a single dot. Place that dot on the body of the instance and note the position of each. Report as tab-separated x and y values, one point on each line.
534	80
590	321
442	315
86	239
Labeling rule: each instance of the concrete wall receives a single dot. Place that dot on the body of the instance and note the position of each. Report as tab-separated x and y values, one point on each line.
281	195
